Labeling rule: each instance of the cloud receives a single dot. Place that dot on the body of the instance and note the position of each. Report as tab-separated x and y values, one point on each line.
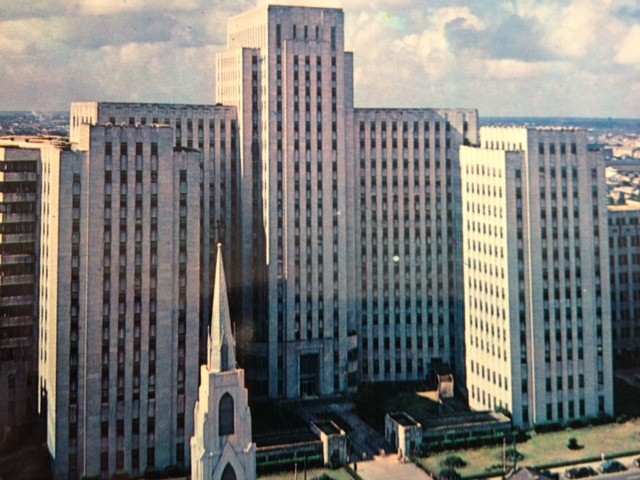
515	38
629	51
527	57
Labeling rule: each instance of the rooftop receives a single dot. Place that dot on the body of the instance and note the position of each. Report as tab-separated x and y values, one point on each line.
629	206
463	420
403	419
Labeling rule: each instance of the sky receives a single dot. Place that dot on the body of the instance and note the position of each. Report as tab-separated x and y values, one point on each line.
571	58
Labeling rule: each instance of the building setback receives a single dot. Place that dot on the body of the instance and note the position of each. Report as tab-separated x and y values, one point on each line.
296	110
624	255
536	269
119	296
19	222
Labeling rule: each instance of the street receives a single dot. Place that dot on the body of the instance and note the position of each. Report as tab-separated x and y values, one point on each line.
633	473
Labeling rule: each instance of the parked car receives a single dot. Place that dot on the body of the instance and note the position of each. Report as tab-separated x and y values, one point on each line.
611	466
580	472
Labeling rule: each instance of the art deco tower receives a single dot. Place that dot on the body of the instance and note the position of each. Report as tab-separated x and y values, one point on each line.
287	73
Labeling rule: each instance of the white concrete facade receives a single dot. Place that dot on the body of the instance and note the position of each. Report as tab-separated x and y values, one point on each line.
305	304
410	311
536	269
297	120
210	129
119	299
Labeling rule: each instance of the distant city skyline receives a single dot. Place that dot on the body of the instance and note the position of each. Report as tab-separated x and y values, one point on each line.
538	58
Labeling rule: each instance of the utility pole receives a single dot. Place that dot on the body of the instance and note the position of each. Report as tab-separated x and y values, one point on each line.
504	458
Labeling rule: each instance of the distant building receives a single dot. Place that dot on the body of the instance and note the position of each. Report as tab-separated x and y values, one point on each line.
19	234
536	269
221	446
119	300
624	255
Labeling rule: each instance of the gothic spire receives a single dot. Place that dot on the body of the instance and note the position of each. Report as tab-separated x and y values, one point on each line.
222	346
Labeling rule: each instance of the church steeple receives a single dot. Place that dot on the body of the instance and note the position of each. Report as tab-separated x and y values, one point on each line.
222	346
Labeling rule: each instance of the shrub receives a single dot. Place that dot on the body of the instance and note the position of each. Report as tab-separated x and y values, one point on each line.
547	427
504	411
496	467
174	471
600	420
454	461
575	424
521	436
449	474
152	473
622	419
572	444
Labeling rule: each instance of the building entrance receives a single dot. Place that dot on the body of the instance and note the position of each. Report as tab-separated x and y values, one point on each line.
309	374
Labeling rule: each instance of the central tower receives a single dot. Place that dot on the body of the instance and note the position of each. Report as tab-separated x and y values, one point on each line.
287	73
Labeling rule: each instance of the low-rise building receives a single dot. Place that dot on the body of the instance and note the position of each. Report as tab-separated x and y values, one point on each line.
403	432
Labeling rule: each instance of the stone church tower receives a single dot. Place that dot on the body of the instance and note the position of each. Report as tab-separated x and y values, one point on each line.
221	447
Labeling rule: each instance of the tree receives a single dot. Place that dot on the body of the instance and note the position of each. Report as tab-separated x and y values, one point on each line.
454	461
449	474
572	444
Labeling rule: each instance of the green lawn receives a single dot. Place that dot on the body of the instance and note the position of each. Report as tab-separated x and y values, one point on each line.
340	474
550	448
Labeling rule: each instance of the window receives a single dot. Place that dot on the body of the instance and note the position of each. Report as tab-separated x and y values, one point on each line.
228	473
225	416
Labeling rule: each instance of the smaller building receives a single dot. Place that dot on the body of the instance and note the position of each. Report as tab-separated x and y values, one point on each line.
403	432
461	426
445	386
334	442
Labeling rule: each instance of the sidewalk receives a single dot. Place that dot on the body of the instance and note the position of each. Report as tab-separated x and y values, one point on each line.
389	468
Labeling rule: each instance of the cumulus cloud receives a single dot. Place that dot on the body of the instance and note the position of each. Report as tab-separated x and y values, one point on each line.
515	38
527	57
629	51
